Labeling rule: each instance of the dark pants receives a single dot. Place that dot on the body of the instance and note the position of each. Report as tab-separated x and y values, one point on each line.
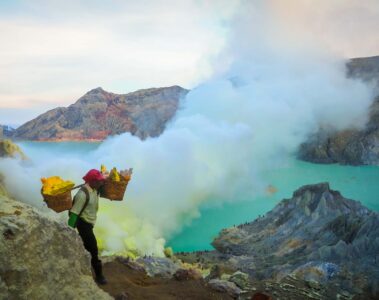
86	233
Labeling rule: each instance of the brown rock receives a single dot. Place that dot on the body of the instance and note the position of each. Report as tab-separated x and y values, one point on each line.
122	296
261	296
225	286
187	274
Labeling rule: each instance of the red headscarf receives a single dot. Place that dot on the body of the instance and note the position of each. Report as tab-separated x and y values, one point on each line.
93	176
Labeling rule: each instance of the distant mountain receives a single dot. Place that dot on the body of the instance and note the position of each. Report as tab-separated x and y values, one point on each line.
6	131
351	146
98	114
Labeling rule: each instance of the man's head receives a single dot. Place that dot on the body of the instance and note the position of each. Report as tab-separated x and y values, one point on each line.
94	179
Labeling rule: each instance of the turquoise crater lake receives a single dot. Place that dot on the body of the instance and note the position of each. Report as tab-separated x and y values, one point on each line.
359	183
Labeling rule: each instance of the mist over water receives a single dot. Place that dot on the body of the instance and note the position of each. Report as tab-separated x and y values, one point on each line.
267	95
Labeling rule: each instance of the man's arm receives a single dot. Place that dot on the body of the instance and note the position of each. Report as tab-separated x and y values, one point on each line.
80	199
72	220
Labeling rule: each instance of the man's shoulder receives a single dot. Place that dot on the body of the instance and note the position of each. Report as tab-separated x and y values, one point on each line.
81	194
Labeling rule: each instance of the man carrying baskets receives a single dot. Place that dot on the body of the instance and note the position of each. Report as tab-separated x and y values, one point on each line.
83	217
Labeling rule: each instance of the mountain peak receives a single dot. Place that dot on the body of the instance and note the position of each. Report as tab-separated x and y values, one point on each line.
99	113
313	188
96	91
318	201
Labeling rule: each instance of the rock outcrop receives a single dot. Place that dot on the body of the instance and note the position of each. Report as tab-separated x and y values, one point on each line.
98	114
353	147
41	258
10	149
365	68
317	239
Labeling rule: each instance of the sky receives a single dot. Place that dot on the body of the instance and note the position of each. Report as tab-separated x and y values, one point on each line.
54	51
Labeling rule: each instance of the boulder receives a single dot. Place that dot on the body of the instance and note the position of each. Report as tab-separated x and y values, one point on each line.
220	270
240	279
187	274
225	287
261	296
158	266
41	257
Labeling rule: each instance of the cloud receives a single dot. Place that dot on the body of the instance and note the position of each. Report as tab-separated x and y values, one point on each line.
346	27
55	52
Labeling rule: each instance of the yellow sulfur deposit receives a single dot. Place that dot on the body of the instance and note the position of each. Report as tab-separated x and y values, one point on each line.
126	174
114	176
55	185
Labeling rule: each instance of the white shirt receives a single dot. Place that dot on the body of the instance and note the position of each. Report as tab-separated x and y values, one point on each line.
90	212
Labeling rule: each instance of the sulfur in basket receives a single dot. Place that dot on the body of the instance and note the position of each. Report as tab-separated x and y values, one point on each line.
60	202
114	190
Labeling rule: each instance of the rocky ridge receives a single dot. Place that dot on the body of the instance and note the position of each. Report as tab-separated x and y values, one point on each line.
98	114
317	243
350	146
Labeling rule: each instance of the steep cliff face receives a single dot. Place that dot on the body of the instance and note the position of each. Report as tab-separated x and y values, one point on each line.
98	114
353	147
41	258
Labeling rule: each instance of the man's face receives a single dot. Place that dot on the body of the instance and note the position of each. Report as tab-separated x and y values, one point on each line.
96	184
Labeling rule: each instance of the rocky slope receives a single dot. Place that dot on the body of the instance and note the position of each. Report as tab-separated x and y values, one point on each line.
317	241
41	258
98	114
354	147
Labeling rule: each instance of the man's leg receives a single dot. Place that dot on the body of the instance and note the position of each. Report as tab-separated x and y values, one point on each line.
89	240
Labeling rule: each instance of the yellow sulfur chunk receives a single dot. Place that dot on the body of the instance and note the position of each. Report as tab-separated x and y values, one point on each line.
126	175
55	185
114	176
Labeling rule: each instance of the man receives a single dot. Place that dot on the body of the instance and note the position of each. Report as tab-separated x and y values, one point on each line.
83	217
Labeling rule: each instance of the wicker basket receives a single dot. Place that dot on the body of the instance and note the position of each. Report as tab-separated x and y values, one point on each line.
113	190
60	202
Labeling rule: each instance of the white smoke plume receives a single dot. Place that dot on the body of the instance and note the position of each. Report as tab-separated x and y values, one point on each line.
272	87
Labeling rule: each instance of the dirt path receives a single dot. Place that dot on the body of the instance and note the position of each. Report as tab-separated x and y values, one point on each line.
135	284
